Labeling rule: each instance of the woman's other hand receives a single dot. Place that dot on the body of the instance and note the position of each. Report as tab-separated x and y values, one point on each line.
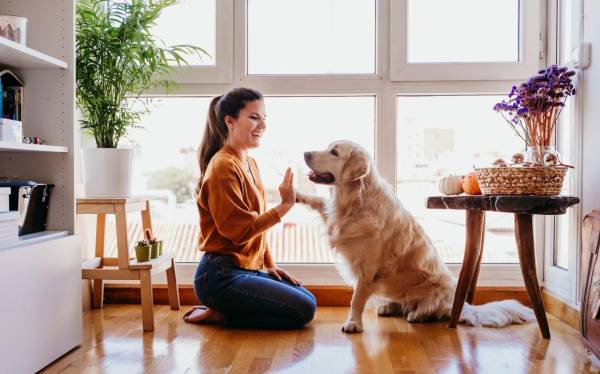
281	274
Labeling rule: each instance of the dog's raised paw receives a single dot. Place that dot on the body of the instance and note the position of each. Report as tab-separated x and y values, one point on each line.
352	327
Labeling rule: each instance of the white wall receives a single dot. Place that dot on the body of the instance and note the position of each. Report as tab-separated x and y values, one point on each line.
590	94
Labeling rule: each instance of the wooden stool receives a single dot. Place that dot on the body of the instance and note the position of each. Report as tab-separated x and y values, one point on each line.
122	267
523	207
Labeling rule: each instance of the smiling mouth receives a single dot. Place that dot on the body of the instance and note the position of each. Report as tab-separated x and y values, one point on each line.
256	135
322	178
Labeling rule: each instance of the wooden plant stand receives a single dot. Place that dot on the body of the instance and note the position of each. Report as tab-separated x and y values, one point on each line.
122	267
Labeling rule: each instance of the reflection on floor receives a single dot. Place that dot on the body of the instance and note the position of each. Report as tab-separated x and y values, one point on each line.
114	343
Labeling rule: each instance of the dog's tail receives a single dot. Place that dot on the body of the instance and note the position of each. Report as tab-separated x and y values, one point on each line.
496	314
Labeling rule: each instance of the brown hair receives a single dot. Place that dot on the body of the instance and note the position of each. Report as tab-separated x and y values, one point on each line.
215	130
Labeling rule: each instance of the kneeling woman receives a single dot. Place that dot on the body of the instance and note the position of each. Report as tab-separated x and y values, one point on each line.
234	223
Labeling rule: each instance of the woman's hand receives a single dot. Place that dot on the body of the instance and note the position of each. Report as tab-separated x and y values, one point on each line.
287	193
281	274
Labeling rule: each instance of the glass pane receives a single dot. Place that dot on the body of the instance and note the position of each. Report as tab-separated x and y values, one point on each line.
564	140
311	36
444	135
565	32
563	237
190	22
296	125
166	167
463	31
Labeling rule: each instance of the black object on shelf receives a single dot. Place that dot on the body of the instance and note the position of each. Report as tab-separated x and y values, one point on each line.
31	200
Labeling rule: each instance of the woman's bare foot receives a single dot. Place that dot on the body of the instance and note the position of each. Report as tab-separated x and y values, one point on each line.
202	314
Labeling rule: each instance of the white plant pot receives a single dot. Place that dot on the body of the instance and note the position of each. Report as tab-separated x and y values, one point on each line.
107	172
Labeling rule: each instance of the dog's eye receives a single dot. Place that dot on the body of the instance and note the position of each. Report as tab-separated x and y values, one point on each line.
334	152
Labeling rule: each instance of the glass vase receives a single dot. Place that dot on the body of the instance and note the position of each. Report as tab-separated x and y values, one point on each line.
540	155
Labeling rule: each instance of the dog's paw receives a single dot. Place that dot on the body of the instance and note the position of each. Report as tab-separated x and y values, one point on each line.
352	327
300	197
385	310
413	317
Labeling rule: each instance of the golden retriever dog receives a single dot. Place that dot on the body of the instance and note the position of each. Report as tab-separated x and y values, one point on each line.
383	248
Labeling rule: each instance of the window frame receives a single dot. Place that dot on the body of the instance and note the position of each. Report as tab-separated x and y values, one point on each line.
565	283
385	87
531	51
222	70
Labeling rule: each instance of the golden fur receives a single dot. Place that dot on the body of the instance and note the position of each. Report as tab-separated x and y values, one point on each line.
384	250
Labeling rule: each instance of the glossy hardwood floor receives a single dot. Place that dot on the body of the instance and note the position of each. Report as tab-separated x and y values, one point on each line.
115	343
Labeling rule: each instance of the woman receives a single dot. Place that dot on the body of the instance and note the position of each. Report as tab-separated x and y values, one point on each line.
234	224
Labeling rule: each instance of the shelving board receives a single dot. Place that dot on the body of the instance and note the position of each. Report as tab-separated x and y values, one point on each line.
35	238
22	147
18	56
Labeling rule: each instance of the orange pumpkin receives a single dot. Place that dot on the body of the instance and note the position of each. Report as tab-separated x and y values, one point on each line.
470	185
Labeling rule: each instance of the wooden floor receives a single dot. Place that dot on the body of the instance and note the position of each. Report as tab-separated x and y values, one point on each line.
114	343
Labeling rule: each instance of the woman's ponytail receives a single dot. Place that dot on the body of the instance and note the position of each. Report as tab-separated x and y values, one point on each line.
215	130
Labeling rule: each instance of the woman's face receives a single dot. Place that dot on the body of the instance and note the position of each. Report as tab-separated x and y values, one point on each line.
246	131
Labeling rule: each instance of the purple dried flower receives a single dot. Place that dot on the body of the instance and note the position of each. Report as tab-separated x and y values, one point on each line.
543	93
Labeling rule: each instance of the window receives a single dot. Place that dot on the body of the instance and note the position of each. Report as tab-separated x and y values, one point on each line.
436	137
562	262
166	167
436	36
319	65
296	125
564	140
207	24
311	36
199	18
464	39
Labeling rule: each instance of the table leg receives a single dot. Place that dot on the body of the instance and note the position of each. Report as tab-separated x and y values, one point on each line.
525	245
147	300
470	261
122	241
172	284
471	292
98	290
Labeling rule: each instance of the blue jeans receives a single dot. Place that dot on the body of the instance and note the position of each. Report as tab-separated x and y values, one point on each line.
250	298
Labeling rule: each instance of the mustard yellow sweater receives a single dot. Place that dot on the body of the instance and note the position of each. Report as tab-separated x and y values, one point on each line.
232	211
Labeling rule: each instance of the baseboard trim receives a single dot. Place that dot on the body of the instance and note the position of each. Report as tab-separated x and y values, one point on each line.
561	310
341	296
326	295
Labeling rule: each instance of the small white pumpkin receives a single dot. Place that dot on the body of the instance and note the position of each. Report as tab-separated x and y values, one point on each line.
451	185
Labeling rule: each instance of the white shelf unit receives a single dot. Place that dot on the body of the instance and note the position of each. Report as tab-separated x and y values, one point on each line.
22	147
42	271
46	66
34	238
15	55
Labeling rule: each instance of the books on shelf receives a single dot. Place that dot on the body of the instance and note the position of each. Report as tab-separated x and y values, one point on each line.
11	95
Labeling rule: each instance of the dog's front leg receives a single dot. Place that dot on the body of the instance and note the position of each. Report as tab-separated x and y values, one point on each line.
357	306
315	202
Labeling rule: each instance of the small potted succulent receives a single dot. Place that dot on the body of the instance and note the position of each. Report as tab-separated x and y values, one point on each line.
155	244
142	251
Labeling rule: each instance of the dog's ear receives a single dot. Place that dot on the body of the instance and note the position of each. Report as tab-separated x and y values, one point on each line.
355	168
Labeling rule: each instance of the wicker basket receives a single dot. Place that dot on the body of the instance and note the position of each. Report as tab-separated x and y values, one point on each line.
521	180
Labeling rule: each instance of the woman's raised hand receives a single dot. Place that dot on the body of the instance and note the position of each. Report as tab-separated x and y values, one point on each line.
287	192
286	188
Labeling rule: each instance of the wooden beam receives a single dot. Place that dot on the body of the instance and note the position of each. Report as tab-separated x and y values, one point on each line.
560	309
326	295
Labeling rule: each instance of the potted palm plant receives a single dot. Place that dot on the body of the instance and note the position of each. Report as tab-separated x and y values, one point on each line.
117	59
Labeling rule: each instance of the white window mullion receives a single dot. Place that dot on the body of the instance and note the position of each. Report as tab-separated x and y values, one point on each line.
222	71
